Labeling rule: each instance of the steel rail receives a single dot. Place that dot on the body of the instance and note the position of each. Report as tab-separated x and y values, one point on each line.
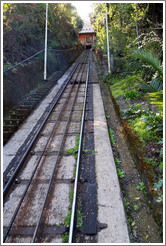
55	164
71	227
34	171
20	163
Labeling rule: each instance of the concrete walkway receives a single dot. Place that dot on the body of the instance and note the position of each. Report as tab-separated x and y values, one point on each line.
110	205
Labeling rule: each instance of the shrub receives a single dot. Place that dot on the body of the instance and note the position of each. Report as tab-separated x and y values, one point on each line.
132	94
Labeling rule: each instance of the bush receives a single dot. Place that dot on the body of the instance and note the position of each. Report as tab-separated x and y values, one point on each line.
149	126
132	94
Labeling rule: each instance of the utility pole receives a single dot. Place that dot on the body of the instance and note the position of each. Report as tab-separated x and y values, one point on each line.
137	28
45	54
108	51
137	31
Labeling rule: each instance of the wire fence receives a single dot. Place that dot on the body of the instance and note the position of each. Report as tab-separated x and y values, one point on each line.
21	78
18	64
36	54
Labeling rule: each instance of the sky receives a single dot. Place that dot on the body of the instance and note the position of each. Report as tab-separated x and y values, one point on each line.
83	9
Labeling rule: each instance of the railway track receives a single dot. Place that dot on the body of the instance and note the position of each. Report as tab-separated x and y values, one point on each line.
36	192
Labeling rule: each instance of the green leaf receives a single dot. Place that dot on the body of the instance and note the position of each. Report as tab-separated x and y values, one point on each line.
121	173
136	207
151	59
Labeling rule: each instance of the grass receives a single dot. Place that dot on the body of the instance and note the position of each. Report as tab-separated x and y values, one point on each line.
92	152
78	211
79	214
65	237
74	151
112	136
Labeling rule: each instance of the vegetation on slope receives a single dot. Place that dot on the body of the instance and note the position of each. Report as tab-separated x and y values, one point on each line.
24	28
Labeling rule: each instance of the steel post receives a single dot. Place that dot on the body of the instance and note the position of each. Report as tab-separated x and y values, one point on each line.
45	54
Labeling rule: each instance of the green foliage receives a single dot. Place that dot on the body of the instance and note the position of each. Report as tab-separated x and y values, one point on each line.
122	19
152	162
67	219
132	94
126	202
133	223
79	216
149	41
158	185
78	212
129	219
24	25
147	124
107	116
117	161
136	207
124	40
133	111
160	197
74	150
119	85
121	173
156	99
65	237
112	136
148	127
141	186
92	152
150	59
156	84
161	166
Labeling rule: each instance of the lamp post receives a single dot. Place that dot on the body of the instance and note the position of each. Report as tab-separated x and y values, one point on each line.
108	51
45	53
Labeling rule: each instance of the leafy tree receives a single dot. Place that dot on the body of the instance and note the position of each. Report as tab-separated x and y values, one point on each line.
127	21
24	28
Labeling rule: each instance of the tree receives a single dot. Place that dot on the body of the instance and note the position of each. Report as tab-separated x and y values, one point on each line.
24	25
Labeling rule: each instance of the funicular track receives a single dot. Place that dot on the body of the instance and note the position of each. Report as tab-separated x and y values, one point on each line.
32	206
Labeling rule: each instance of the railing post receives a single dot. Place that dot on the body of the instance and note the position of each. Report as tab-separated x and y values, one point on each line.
45	54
